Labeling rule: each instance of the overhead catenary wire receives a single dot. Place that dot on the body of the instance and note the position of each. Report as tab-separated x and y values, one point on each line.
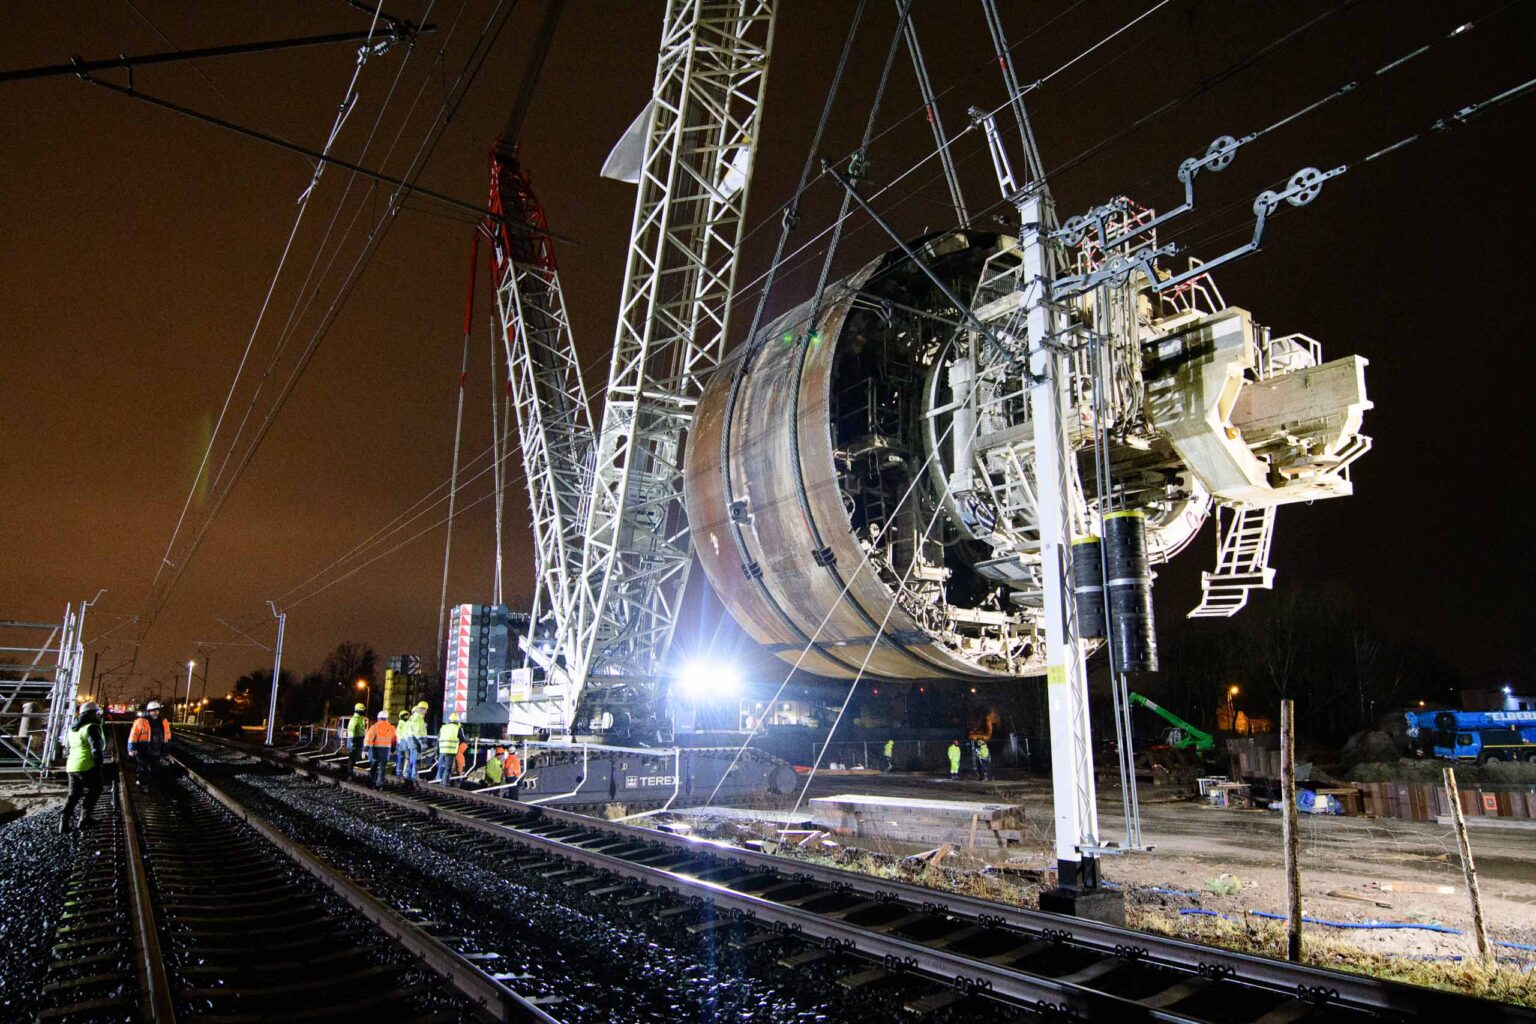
454	96
151	611
295	311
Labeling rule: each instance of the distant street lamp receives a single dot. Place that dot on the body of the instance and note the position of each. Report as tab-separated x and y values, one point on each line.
363	684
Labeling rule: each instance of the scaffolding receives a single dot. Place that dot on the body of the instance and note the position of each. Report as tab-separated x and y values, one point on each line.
39	683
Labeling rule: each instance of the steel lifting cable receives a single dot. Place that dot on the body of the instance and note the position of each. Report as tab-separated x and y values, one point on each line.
766	281
857	161
808	335
764	285
405	519
836	226
151	611
783	208
458	434
925	90
816	635
1233	70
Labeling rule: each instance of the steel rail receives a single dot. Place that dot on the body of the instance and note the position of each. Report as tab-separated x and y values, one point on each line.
1321	986
490	998
966	973
154	984
1352	991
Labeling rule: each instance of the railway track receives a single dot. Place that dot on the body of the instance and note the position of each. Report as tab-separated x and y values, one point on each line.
184	906
883	929
93	973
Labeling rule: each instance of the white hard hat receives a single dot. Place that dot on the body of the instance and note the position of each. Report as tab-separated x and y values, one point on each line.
153	705
89	705
383	716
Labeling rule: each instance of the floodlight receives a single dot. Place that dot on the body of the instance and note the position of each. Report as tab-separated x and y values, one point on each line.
706	680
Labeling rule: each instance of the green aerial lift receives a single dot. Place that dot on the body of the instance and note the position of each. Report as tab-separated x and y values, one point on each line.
1182	736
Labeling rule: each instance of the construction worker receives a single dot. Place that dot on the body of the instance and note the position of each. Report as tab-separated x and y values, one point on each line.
357	728
493	771
983	760
380	738
148	741
403	735
512	767
458	758
87	748
419	736
890	755
954	759
447	740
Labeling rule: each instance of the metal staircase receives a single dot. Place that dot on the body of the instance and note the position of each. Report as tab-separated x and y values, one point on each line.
1242	562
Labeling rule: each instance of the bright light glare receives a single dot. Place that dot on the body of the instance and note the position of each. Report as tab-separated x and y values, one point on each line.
708	680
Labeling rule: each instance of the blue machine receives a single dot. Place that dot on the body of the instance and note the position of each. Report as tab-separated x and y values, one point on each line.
1474	735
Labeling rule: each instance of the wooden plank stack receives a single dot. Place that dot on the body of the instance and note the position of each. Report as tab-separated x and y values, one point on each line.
964	824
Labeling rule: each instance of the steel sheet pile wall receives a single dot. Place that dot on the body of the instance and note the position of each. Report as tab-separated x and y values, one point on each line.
1423	801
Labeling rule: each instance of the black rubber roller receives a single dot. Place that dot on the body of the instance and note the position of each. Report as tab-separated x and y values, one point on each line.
1128	579
1088	587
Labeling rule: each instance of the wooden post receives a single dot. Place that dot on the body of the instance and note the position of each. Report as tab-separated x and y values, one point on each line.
1468	870
1290	832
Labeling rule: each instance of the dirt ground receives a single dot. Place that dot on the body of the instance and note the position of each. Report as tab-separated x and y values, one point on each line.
1206	858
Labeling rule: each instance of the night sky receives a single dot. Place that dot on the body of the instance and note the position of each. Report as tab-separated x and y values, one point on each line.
138	247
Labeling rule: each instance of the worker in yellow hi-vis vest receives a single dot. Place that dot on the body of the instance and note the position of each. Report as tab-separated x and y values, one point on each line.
87	748
447	747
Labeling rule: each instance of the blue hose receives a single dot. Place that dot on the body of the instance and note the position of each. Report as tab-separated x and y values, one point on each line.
1331	924
1444	929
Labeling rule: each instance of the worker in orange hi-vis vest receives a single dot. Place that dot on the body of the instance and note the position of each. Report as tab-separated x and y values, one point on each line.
512	766
380	743
148	741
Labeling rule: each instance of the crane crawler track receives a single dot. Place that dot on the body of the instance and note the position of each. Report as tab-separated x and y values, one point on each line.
1044	961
